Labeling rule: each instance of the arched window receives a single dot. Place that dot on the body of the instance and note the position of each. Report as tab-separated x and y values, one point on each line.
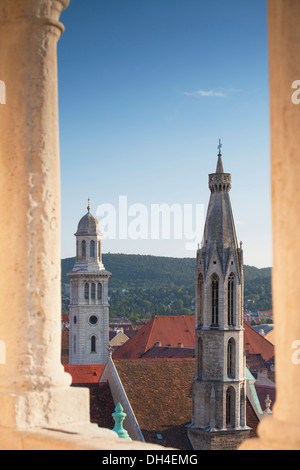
230	407
215	299
93	291
231	358
242	406
200	300
92	249
99	251
86	291
199	358
99	291
230	300
93	344
83	249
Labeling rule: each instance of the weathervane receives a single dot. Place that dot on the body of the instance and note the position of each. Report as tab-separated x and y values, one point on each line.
219	147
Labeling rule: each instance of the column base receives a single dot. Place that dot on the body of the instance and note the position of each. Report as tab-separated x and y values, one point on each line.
44	409
215	439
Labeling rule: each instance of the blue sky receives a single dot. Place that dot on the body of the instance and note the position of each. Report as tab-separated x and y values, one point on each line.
146	89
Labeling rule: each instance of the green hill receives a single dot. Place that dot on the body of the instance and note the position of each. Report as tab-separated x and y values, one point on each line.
142	271
163	285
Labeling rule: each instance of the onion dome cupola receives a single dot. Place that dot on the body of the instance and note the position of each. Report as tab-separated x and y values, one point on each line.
88	225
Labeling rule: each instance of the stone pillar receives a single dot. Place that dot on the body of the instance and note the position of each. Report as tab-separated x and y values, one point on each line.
34	389
282	430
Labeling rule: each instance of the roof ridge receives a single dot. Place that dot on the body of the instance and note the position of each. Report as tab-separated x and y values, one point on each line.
259	335
146	348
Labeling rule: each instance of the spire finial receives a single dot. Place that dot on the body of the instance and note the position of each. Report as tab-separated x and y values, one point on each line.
89	207
220	164
220	147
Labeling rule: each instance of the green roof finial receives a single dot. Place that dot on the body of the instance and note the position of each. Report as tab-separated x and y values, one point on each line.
119	417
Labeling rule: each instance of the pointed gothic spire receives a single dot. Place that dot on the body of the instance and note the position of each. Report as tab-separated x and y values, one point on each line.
219	231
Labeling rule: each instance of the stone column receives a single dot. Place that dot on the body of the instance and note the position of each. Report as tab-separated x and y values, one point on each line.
34	389
282	431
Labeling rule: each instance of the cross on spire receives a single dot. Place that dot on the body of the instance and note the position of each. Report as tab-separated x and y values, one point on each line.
89	207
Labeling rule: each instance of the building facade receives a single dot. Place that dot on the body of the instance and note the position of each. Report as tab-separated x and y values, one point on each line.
89	303
219	389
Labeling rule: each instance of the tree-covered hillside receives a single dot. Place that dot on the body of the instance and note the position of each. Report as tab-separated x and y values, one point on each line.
165	286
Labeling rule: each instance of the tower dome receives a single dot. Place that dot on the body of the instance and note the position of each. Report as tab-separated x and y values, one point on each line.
88	225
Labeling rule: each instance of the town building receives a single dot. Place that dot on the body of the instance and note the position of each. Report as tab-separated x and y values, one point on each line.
89	306
219	388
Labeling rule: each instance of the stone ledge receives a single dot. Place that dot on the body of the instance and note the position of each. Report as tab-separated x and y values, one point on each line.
77	437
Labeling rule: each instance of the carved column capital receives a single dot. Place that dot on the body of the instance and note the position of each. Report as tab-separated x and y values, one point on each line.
33	12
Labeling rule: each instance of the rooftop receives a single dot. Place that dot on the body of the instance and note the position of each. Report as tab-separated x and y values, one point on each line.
166	330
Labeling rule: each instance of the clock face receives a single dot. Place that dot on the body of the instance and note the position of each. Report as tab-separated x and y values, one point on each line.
93	320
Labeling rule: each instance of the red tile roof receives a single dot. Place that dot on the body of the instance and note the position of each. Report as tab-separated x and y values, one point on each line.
160	393
171	330
84	374
161	330
254	343
168	352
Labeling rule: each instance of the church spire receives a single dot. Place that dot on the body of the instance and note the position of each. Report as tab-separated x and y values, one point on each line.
219	386
219	230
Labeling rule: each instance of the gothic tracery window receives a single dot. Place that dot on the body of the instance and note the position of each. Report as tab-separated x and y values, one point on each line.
231	300
230	407
200	357
231	358
200	299
215	299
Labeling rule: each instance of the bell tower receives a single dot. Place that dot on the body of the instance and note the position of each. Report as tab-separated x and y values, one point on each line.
89	306
219	388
